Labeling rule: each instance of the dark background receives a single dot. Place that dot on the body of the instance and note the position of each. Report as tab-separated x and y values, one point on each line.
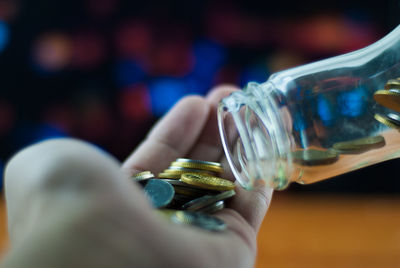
105	70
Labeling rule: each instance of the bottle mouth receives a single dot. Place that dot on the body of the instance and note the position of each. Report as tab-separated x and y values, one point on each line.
254	139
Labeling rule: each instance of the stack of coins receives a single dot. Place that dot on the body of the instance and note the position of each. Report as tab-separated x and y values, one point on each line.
188	192
389	97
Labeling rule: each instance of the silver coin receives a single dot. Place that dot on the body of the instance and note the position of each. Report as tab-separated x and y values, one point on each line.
143	177
207	200
213	207
198	219
394	119
186	160
159	192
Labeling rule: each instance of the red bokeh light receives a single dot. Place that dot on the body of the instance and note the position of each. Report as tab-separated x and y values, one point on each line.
172	58
9	9
134	40
89	50
134	103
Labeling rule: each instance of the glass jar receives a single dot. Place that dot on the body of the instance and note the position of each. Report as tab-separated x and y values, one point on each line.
315	121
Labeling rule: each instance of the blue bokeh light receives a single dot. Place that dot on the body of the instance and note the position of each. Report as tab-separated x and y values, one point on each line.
254	73
351	103
164	93
27	134
4	35
324	111
209	57
128	72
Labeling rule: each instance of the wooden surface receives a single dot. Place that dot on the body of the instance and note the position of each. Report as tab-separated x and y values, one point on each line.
321	231
330	231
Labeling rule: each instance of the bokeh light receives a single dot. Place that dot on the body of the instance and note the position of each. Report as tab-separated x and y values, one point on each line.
4	35
88	50
134	103
52	52
128	72
9	9
164	93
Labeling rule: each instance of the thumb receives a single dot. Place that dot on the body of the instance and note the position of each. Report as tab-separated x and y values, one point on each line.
53	178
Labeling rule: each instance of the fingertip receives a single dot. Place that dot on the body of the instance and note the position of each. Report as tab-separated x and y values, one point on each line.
220	92
197	104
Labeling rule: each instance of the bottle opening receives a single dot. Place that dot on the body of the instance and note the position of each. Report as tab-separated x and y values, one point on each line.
252	140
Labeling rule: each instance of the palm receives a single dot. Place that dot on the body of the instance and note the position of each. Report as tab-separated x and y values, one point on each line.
190	130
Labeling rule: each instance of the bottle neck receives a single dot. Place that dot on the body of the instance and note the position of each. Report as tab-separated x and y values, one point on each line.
255	136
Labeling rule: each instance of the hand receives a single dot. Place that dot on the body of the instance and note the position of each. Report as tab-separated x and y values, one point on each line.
71	205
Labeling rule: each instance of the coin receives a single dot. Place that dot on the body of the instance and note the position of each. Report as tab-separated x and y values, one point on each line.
311	157
198	219
388	98
390	120
145	175
359	145
207	182
162	196
207	200
181	170
192	192
393	83
159	192
198	166
186	160
213	207
165	175
174	183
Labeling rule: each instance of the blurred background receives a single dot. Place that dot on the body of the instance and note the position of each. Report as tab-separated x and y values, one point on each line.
105	70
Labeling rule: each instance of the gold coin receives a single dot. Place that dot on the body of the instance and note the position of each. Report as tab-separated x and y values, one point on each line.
311	157
181	170
197	166
389	120
164	175
361	144
393	83
186	160
207	182
388	98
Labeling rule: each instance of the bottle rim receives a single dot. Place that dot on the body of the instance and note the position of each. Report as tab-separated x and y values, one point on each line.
260	154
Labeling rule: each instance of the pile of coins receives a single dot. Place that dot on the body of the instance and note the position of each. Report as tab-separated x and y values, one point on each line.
389	97
188	192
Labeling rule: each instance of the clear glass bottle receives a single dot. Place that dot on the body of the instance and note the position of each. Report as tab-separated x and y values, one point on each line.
315	121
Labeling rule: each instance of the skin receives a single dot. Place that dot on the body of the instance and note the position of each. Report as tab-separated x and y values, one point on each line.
72	205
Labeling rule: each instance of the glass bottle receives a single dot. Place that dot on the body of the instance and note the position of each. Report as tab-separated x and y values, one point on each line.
315	121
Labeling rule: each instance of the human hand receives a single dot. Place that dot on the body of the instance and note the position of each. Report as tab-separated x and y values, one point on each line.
71	205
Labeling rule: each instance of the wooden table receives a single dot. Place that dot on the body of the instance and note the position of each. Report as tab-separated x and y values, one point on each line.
330	231
321	231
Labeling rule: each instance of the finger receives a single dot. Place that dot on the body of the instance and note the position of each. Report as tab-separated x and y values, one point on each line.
252	205
171	138
59	178
209	146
